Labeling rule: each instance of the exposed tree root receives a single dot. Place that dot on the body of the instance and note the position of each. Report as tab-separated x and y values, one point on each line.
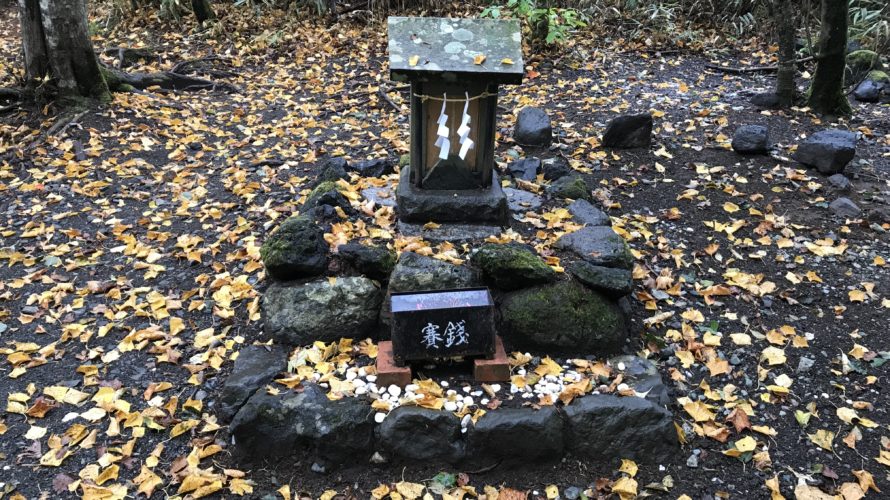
121	81
127	56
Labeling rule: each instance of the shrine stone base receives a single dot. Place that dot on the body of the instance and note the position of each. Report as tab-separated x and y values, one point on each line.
443	206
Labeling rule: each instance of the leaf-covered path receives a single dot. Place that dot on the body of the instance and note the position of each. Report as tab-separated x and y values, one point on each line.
130	273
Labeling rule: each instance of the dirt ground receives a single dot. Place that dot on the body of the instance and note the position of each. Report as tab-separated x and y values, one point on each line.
129	259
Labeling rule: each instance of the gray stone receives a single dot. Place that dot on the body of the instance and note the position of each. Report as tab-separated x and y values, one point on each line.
518	435
374	168
563	318
609	427
414	433
525	168
751	139
449	231
306	422
840	181
570	187
613	282
382	196
805	364
629	131
472	205
692	461
533	127
868	91
333	170
522	201
296	250
829	151
375	262
415	272
643	376
555	168
572	493
299	314
512	266
255	367
320	203
598	245
860	63
844	207
585	213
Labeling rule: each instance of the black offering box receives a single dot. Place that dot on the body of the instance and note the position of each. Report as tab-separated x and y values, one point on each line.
442	324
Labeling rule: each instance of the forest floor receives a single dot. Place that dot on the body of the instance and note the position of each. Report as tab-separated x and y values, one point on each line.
130	273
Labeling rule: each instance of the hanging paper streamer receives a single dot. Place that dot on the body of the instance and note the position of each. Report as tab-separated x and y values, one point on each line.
466	144
442	132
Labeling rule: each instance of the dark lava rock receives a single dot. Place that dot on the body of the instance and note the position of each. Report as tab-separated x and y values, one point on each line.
333	170
868	91
829	151
299	314
643	376
307	422
571	187
296	250
609	427
375	262
522	201
510	267
326	193
840	181
613	282
374	168
526	168
415	272
766	100
598	245
414	433
476	205
555	168
564	317
844	207
629	131
533	127
255	367
585	213
751	139
518	435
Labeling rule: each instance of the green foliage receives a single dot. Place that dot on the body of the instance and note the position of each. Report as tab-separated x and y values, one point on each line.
870	24
547	25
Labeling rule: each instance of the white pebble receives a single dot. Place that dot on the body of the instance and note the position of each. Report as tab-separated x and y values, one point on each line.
495	387
484	401
444	384
378	417
450	406
371	378
467	388
622	387
468	401
350	375
476	393
520	371
412	388
464	422
359	382
450	392
361	390
394	390
621	366
362	372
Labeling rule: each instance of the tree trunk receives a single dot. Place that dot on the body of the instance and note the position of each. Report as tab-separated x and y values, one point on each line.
33	41
785	88
203	10
57	43
826	95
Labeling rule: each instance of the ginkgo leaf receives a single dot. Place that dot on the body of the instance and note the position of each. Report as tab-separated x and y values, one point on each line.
823	439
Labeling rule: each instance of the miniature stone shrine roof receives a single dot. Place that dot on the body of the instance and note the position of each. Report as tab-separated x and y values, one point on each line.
448	48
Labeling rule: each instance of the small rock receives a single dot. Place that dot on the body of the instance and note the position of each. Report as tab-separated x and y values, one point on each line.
751	139
521	201
377	458
375	262
585	213
629	131
844	207
840	181
318	468
296	250
615	283
570	187
805	364
766	100
333	170
510	267
555	168
374	168
572	493
868	91
415	433
255	367
692	461
598	245
533	127
829	151
526	168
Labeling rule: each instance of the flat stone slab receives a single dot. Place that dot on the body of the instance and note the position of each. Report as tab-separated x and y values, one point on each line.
585	213
464	206
255	367
521	201
384	196
454	233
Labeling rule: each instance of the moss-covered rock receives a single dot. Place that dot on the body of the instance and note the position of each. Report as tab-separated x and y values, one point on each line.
878	76
611	281
860	63
563	318
296	250
571	187
373	261
510	267
326	193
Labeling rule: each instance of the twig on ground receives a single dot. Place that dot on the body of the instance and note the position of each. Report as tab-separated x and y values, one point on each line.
753	69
